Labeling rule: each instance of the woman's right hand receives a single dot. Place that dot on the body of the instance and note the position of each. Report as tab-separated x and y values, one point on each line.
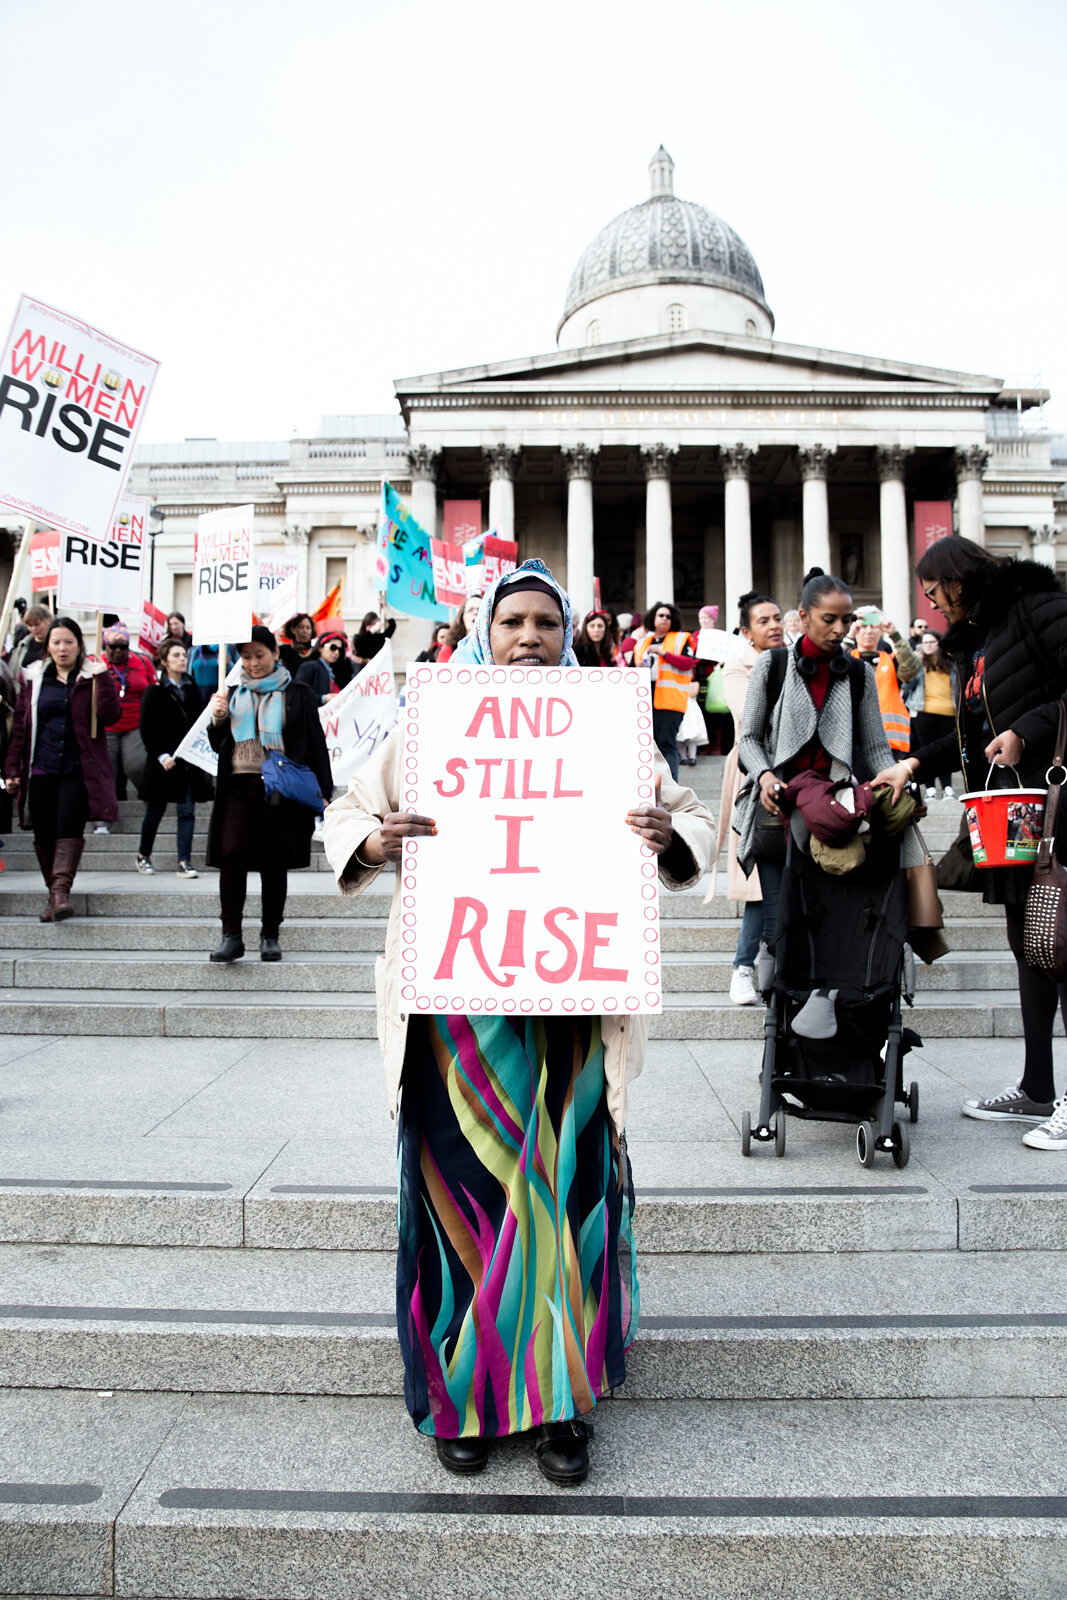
220	705
401	825
897	777
768	784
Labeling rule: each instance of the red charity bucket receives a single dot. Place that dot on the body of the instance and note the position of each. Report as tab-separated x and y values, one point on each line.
1004	825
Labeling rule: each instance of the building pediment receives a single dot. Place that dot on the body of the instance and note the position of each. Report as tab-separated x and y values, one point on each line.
692	363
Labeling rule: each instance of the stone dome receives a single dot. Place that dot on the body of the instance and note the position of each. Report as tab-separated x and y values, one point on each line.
665	240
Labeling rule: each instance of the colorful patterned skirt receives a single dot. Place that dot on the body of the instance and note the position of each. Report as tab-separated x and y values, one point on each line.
516	1283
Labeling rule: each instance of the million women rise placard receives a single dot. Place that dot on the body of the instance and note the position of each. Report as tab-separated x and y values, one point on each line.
72	401
535	895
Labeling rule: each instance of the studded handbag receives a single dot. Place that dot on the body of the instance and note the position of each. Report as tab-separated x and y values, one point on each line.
1045	925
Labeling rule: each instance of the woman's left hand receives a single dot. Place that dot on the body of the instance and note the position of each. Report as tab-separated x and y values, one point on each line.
652	824
96	667
1005	750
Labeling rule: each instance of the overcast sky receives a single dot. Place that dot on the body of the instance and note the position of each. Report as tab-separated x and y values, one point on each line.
290	205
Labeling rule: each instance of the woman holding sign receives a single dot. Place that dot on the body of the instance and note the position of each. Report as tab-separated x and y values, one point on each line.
265	711
57	761
517	1292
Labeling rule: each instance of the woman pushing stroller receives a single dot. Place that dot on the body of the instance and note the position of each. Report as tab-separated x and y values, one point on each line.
814	710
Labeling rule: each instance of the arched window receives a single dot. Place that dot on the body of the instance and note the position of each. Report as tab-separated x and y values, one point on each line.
593	333
676	319
750	326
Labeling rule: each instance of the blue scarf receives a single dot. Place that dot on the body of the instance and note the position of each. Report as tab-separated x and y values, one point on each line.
256	707
475	647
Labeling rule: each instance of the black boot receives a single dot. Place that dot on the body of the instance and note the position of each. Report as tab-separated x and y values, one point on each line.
269	949
46	861
232	948
463	1456
563	1450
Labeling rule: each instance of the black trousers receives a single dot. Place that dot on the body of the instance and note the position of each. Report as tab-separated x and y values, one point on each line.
59	808
1038	997
251	832
925	728
665	725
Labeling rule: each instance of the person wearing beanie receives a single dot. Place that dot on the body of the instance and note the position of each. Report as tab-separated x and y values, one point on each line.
264	711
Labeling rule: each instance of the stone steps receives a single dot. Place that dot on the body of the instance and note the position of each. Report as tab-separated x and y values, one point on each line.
267	1012
307	935
333	972
276	1497
945	1324
126	894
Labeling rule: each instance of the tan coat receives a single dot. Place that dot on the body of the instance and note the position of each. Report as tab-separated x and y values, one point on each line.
736	674
372	794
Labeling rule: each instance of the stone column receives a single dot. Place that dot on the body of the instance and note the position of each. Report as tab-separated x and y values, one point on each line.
501	462
659	532
578	465
896	562
297	534
736	460
422	464
813	464
970	464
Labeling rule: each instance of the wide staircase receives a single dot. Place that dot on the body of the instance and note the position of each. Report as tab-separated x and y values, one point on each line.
846	1383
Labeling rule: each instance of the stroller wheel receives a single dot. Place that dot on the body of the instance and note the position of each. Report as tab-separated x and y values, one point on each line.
779	1132
913	1102
746	1134
901	1144
866	1133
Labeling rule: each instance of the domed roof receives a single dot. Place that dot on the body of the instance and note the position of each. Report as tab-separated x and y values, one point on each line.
664	240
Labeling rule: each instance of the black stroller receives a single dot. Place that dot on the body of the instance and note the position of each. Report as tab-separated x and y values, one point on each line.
847	934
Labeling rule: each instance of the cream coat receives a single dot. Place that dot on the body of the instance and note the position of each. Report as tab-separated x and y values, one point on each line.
372	794
735	676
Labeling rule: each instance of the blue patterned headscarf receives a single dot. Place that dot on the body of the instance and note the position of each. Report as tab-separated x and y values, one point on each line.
475	647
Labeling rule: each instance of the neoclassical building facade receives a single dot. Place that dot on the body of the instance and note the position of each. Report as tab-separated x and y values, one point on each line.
669	445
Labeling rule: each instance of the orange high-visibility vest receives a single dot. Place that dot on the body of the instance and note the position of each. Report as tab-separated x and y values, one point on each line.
672	688
895	718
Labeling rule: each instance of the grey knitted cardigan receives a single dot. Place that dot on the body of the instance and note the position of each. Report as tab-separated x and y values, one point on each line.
858	752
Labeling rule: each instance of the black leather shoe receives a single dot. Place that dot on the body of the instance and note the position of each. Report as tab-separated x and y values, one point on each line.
270	950
232	948
463	1456
563	1450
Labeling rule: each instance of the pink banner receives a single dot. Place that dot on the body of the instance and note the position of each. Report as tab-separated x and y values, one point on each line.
44	560
933	521
501	555
153	627
449	573
462	521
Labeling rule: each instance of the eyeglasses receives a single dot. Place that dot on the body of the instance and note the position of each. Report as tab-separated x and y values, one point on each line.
929	593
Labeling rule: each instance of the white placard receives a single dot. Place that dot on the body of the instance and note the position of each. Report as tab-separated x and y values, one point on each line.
284	602
196	746
72	400
357	720
223	576
275	576
535	896
715	644
110	576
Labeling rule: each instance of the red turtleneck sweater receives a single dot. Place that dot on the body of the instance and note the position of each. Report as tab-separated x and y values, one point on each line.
813	758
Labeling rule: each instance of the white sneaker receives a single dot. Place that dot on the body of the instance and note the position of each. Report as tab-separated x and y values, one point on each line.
145	867
186	870
742	989
931	793
320	830
101	827
1052	1135
948	792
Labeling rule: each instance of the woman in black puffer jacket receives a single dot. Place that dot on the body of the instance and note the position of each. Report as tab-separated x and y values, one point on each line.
1008	637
